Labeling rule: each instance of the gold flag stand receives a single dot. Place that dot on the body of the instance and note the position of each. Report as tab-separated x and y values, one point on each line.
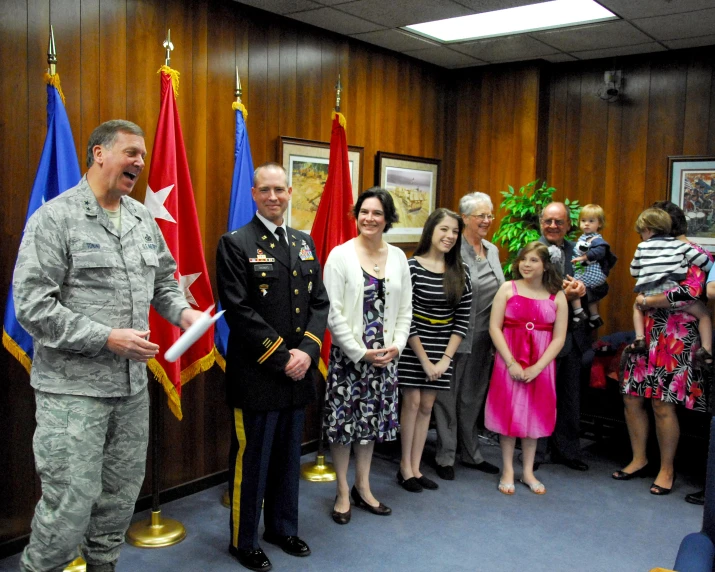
77	565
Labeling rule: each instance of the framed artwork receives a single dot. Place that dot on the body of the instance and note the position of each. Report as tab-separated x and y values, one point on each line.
691	186
306	163
413	183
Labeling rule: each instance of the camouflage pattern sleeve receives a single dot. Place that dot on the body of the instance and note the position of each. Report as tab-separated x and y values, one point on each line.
40	271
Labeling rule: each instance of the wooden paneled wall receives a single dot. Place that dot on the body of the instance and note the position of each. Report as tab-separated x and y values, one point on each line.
615	154
491	126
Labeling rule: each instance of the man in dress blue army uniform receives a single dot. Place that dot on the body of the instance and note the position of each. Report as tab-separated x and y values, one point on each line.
91	262
271	287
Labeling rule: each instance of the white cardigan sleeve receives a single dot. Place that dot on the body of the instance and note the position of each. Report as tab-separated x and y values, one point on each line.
335	278
404	314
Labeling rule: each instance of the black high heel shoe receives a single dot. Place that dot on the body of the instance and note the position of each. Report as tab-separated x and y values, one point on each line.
380	510
623	476
341	517
659	491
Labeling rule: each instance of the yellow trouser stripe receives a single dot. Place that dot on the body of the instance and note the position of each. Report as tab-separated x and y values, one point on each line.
238	474
432	320
270	351
315	338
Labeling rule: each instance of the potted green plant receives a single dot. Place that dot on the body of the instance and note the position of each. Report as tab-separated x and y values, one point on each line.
520	225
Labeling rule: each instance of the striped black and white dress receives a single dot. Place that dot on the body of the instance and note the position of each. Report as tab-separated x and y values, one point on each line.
434	321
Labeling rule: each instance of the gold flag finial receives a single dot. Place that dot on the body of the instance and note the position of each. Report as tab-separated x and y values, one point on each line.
238	92
169	47
52	54
338	90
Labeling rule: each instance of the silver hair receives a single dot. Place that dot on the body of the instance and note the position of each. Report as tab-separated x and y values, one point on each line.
469	203
106	134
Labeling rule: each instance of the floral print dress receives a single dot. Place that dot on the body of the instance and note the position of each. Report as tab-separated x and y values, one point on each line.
361	400
667	371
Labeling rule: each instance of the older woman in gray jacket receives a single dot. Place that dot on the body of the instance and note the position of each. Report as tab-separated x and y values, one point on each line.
456	411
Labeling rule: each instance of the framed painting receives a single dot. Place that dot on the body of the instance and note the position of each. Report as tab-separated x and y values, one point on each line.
413	183
306	163
691	186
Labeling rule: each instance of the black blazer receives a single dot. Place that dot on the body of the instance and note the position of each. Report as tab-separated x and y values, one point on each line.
273	303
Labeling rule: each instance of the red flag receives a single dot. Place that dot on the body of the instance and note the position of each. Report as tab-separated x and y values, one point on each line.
170	199
333	224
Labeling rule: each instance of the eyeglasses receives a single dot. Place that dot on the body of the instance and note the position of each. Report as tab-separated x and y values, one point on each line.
555	221
482	217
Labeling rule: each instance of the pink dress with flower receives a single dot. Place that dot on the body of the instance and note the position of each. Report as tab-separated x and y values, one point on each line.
515	408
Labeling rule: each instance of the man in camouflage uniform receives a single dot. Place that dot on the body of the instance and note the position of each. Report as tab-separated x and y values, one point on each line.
91	262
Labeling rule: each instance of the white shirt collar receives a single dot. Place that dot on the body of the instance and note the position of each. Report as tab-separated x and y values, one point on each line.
271	226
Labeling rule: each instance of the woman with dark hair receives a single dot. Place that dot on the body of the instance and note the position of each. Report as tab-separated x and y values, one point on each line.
528	326
441	300
667	374
368	282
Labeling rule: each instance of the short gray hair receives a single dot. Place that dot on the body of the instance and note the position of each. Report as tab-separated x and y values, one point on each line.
106	134
469	203
269	165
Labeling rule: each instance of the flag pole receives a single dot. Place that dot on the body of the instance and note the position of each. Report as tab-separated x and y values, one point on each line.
320	471
78	564
156	532
238	93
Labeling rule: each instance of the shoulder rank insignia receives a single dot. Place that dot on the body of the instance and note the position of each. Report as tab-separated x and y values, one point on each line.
305	252
264	237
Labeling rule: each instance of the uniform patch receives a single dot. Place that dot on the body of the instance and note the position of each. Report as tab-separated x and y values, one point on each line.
263	288
260	267
92	246
260	257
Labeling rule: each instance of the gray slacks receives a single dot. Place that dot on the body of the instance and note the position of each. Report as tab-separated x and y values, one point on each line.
456	411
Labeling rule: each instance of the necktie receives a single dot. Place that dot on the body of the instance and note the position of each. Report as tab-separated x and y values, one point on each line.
282	239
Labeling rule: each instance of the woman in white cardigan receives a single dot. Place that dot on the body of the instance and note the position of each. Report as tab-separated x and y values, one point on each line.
368	282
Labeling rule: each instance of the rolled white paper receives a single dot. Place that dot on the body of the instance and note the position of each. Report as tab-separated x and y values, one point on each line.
192	335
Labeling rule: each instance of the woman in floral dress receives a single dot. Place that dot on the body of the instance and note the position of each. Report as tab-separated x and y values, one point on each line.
668	374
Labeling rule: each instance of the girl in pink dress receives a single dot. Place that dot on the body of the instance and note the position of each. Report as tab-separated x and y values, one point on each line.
528	327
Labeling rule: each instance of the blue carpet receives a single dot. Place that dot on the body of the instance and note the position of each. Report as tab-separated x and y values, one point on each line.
586	522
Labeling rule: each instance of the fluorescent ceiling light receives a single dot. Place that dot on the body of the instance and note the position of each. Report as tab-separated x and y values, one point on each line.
543	16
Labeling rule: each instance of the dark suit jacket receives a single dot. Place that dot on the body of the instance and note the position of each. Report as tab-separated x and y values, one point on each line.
273	304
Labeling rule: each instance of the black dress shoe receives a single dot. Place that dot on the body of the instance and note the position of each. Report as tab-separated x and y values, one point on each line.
289	544
252	559
484	467
575	464
696	498
380	510
411	485
341	517
623	476
428	484
445	472
659	491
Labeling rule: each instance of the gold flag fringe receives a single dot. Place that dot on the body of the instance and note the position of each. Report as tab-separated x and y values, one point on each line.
16	351
341	118
171	393
54	81
236	106
200	365
220	360
174	75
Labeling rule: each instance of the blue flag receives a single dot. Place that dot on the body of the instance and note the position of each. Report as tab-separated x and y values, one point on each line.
58	171
240	212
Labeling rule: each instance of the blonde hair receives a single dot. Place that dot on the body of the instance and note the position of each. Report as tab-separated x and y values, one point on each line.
656	220
593	211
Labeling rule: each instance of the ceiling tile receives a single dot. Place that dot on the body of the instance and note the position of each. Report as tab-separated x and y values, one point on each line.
332	19
505	48
559	58
593	36
397	13
696	42
281	6
677	26
480	6
444	57
396	40
620	51
644	8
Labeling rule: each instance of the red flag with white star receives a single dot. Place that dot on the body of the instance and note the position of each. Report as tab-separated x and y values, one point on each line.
170	199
